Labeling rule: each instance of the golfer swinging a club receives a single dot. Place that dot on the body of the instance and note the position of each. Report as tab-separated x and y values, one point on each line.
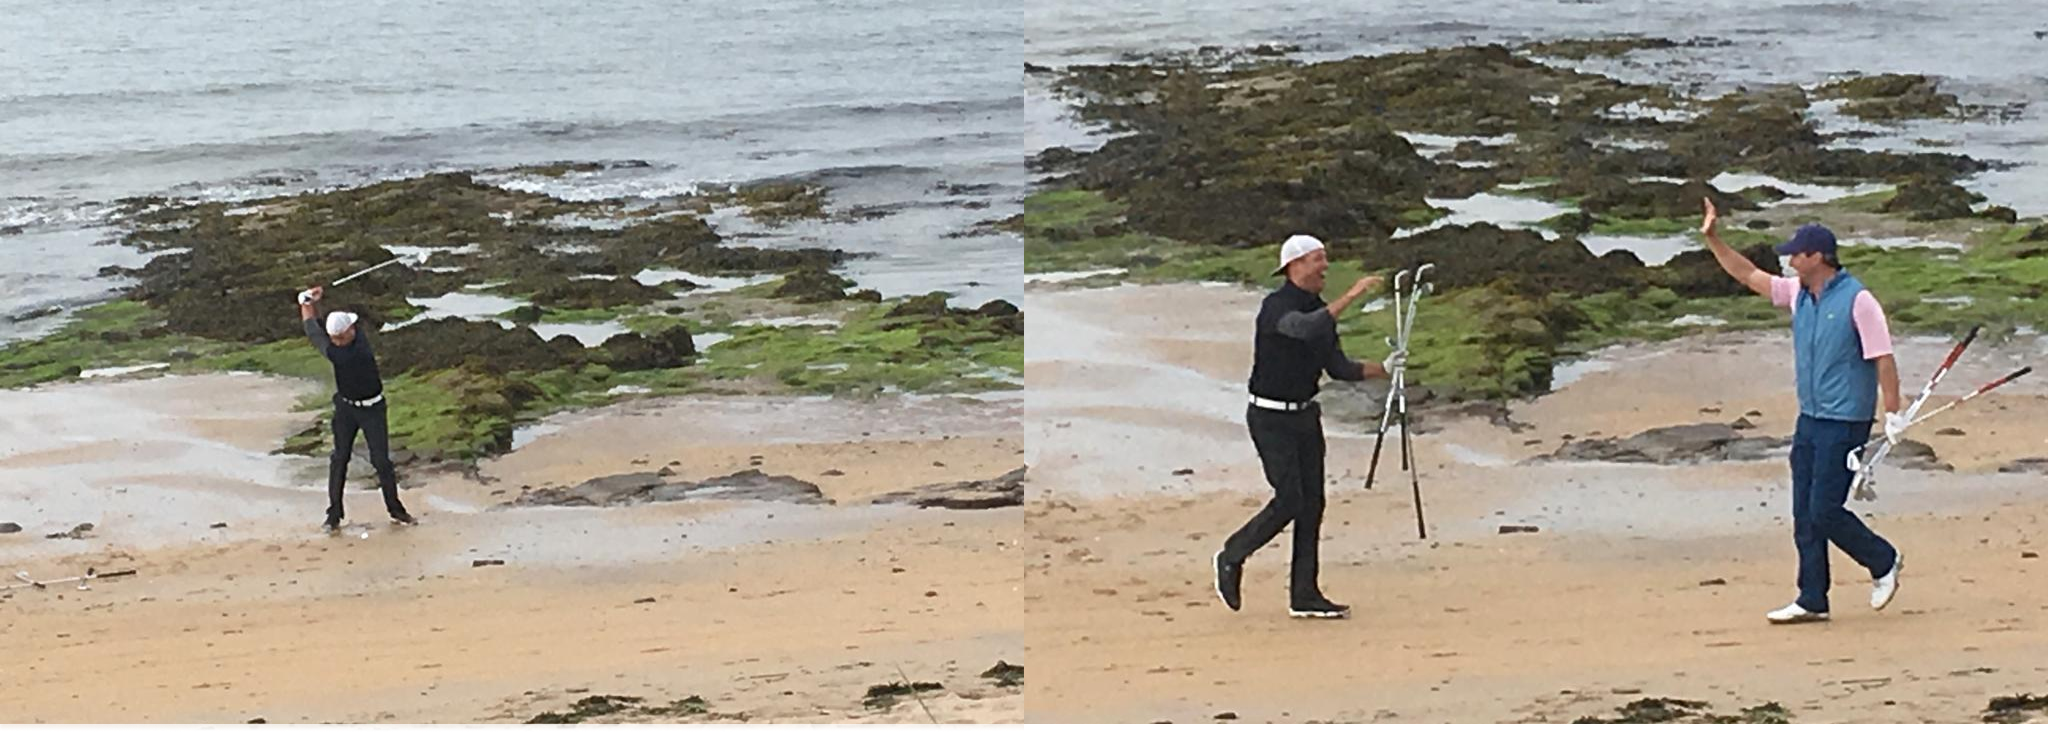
1296	339
1842	356
358	405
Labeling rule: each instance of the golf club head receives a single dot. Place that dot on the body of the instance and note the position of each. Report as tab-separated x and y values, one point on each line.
1424	269
1855	463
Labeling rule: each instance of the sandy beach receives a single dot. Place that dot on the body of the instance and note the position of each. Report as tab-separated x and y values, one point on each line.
1640	581
768	611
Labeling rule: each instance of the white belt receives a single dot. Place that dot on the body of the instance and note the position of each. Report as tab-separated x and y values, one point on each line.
1280	406
366	403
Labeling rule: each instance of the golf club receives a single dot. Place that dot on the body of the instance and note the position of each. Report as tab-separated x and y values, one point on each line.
369	269
1864	468
84	581
1397	392
1860	487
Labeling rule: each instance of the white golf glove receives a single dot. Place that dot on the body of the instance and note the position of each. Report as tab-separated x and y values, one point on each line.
1894	425
305	297
1395	361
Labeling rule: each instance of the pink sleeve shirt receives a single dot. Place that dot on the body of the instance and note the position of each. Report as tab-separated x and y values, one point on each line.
1869	316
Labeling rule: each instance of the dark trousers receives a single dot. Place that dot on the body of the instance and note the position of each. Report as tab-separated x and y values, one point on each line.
1291	449
349	419
1820	490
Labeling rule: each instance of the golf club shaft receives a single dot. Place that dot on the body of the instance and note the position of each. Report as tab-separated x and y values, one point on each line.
1966	397
367	270
1414	479
1941	372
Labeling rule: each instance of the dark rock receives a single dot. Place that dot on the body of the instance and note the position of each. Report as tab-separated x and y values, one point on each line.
2001	214
590	707
2026	465
9	527
2014	709
36	313
885	696
1226	716
1623	199
1184	471
1003	491
833	473
258	720
1005	674
574	294
452	342
1003	318
1743	423
1517	529
1915	455
1891	97
1678	444
814	285
637	488
2030	555
1715	582
80	531
1949	432
487	563
526	314
1053	159
221	525
670	348
644	601
929	305
1932	200
1762	194
1488	254
1579	49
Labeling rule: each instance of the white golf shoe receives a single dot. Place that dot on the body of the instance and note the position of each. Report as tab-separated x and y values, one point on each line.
1883	589
1793	613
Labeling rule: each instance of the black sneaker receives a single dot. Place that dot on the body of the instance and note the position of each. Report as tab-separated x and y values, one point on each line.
331	526
1318	608
404	519
1228	577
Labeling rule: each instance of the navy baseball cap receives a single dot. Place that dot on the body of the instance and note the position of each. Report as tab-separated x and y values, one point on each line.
1810	238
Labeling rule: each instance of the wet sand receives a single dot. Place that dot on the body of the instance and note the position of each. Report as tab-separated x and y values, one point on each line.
769	611
1644	580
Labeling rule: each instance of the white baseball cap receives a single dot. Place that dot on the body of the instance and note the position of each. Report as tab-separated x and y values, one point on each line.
339	321
1296	247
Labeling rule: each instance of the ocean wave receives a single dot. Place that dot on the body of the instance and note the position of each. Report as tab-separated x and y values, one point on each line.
35	214
429	144
21	104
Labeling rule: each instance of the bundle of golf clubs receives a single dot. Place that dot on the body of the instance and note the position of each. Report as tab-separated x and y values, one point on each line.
84	581
1862	487
1411	285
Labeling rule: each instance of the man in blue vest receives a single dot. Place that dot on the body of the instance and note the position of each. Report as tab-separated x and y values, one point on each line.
1842	356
